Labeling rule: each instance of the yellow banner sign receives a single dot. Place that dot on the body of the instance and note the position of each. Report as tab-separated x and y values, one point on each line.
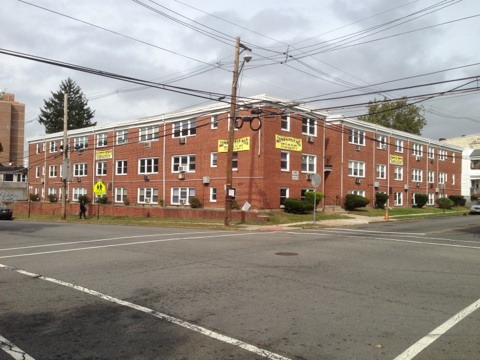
288	143
103	154
242	144
396	160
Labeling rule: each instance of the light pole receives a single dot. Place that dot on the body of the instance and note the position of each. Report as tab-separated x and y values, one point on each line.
231	127
65	160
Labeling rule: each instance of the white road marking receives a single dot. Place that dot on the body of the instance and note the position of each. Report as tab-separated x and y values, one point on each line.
185	324
371	231
13	351
124	244
420	345
428	243
97	240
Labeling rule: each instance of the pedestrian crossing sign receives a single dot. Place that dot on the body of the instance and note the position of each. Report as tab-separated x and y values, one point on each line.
99	188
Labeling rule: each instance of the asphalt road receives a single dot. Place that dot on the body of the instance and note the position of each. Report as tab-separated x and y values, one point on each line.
391	290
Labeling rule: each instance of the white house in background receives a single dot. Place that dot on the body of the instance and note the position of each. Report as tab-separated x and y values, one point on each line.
470	163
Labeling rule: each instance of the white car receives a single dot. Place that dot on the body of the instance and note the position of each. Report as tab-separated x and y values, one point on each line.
475	208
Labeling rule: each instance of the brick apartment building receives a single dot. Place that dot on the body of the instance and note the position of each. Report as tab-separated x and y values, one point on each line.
168	159
12	134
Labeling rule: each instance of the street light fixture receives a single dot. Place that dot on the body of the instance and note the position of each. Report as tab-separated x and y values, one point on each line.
231	125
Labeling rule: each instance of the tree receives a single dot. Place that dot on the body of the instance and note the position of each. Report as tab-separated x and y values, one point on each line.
79	114
396	115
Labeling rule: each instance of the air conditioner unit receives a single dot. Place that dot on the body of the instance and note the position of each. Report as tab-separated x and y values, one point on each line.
148	144
357	147
437	190
310	139
431	186
431	161
418	157
181	176
206	180
309	176
376	184
357	180
182	169
182	140
418	184
42	180
406	187
146	177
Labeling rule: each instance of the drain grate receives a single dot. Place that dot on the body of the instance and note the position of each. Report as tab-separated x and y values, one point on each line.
286	253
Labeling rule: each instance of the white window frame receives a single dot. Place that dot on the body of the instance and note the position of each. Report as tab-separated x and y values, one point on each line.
102	139
80	142
183	160
121	167
431	176
442	154
213	159
181	195
398	199
101	168
431	152
309	126
381	172
52	171
382	142
284	194
235	160
356	168
442	177
184	128
431	199
398	173
80	169
122	137
417	175
147	195
148	166
213	194
148	133
399	146
417	149
214	122
77	192
356	137
309	163
284	160
285	123
357	192
120	194
53	146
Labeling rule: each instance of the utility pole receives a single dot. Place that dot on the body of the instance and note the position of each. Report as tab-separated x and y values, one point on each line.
231	135
65	169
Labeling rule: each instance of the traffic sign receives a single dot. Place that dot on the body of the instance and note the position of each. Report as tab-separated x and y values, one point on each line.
99	188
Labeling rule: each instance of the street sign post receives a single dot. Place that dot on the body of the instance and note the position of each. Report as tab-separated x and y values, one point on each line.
316	181
99	189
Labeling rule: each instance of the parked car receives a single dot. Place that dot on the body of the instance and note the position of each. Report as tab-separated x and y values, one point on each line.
475	208
6	213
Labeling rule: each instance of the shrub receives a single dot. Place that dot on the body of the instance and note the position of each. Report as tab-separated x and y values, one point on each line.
444	203
309	197
195	203
126	201
295	206
235	205
83	198
458	200
34	197
380	200
353	202
421	200
52	198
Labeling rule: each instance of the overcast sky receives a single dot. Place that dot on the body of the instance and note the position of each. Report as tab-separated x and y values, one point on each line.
302	50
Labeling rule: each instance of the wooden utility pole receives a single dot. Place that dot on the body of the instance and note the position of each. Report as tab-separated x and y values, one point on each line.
65	168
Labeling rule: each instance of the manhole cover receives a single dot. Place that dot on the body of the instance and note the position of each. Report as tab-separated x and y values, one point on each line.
286	253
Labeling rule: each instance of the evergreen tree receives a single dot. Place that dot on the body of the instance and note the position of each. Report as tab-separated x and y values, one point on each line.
79	114
396	115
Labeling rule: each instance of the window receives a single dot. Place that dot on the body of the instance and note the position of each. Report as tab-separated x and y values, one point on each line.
453	179
382	142
77	192
442	154
213	159
398	173
417	175
120	195
284	160
357	192
121	168
214	122
285	123
442	178
184	128
186	161
356	137
431	152
37	149
80	142
181	195
53	146
235	161
101	168
284	195
309	163
431	176
80	169
356	168
309	126
381	171
148	166
213	194
453	158
417	149
102	139
37	172
122	137
52	171
148	133
431	199
147	196
399	146
398	199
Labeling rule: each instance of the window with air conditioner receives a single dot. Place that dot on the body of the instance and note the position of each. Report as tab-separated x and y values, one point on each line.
183	163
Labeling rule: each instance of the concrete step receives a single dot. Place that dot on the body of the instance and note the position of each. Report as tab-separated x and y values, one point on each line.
334	209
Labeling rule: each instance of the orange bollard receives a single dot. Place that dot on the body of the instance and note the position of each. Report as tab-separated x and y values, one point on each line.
386	214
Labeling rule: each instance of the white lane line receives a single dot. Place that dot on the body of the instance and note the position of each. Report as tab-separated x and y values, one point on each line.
185	324
428	243
99	240
13	351
124	244
371	231
420	345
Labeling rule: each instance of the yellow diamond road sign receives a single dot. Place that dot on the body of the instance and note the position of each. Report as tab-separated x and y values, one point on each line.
99	188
